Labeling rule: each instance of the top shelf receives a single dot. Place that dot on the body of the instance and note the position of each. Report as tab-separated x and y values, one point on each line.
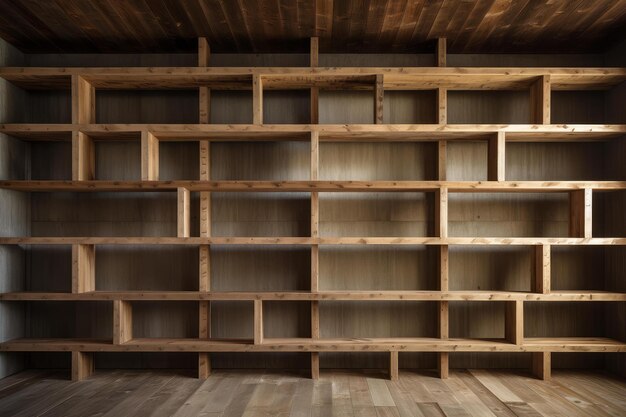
283	78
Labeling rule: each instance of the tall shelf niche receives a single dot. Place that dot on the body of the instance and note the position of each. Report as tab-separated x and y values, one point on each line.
306	217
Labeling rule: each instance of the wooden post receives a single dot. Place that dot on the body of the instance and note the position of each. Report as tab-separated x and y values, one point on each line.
540	97
258	322
542	269
442	106
83	268
184	215
581	219
444	310
441	212
393	365
379	99
257	99
315	365
149	157
122	322
315	308
314	61
497	157
440	53
204	255
542	365
83	157
514	322
83	101
82	365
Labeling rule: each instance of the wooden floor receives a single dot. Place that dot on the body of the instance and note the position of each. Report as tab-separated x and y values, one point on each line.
248	393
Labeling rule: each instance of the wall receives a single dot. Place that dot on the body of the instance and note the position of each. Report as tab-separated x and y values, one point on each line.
15	220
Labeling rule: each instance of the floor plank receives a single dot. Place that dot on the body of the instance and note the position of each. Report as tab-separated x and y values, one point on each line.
337	393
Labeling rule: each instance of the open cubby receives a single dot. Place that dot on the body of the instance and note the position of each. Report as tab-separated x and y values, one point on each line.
146	106
378	161
477	320
587	268
164	319
567	319
489	268
509	214
260	214
488	107
378	319
73	319
467	160
378	268
269	161
401	214
274	268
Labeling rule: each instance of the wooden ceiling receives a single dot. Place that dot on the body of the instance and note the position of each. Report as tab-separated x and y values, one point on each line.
471	26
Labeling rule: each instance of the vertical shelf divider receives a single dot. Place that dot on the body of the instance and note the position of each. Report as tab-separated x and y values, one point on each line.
83	268
497	157
315	308
540	100
441	230
379	99
314	62
514	322
122	322
393	365
258	322
204	254
581	202
149	157
542	365
257	99
183	212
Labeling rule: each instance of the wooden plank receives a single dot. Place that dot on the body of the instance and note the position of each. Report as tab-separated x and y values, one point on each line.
314	62
257	99
315	319
315	365
83	101
258	322
443	364
542	365
440	53
149	157
442	158
540	99
393	365
83	157
441	212
82	365
581	218
314	52
183	212
379	99
205	268
383	295
514	322
411	344
315	155
83	268
444	268
541	283
442	106
307	241
204	52
317	186
497	157
122	322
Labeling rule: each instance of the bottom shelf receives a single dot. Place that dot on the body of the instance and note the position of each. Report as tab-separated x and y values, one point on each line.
561	344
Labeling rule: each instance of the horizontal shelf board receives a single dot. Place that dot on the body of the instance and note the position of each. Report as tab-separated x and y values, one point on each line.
327	132
311	241
396	78
322	295
420	344
320	186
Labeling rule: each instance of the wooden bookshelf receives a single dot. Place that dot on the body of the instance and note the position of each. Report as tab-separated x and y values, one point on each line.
84	133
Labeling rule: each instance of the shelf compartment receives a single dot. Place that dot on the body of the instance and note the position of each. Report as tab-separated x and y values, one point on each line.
509	107
172	319
104	214
260	214
260	269
507	214
482	268
350	319
376	214
146	106
376	161
266	161
74	319
382	269
587	269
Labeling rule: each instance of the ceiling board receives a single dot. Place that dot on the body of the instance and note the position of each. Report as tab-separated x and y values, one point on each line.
471	26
